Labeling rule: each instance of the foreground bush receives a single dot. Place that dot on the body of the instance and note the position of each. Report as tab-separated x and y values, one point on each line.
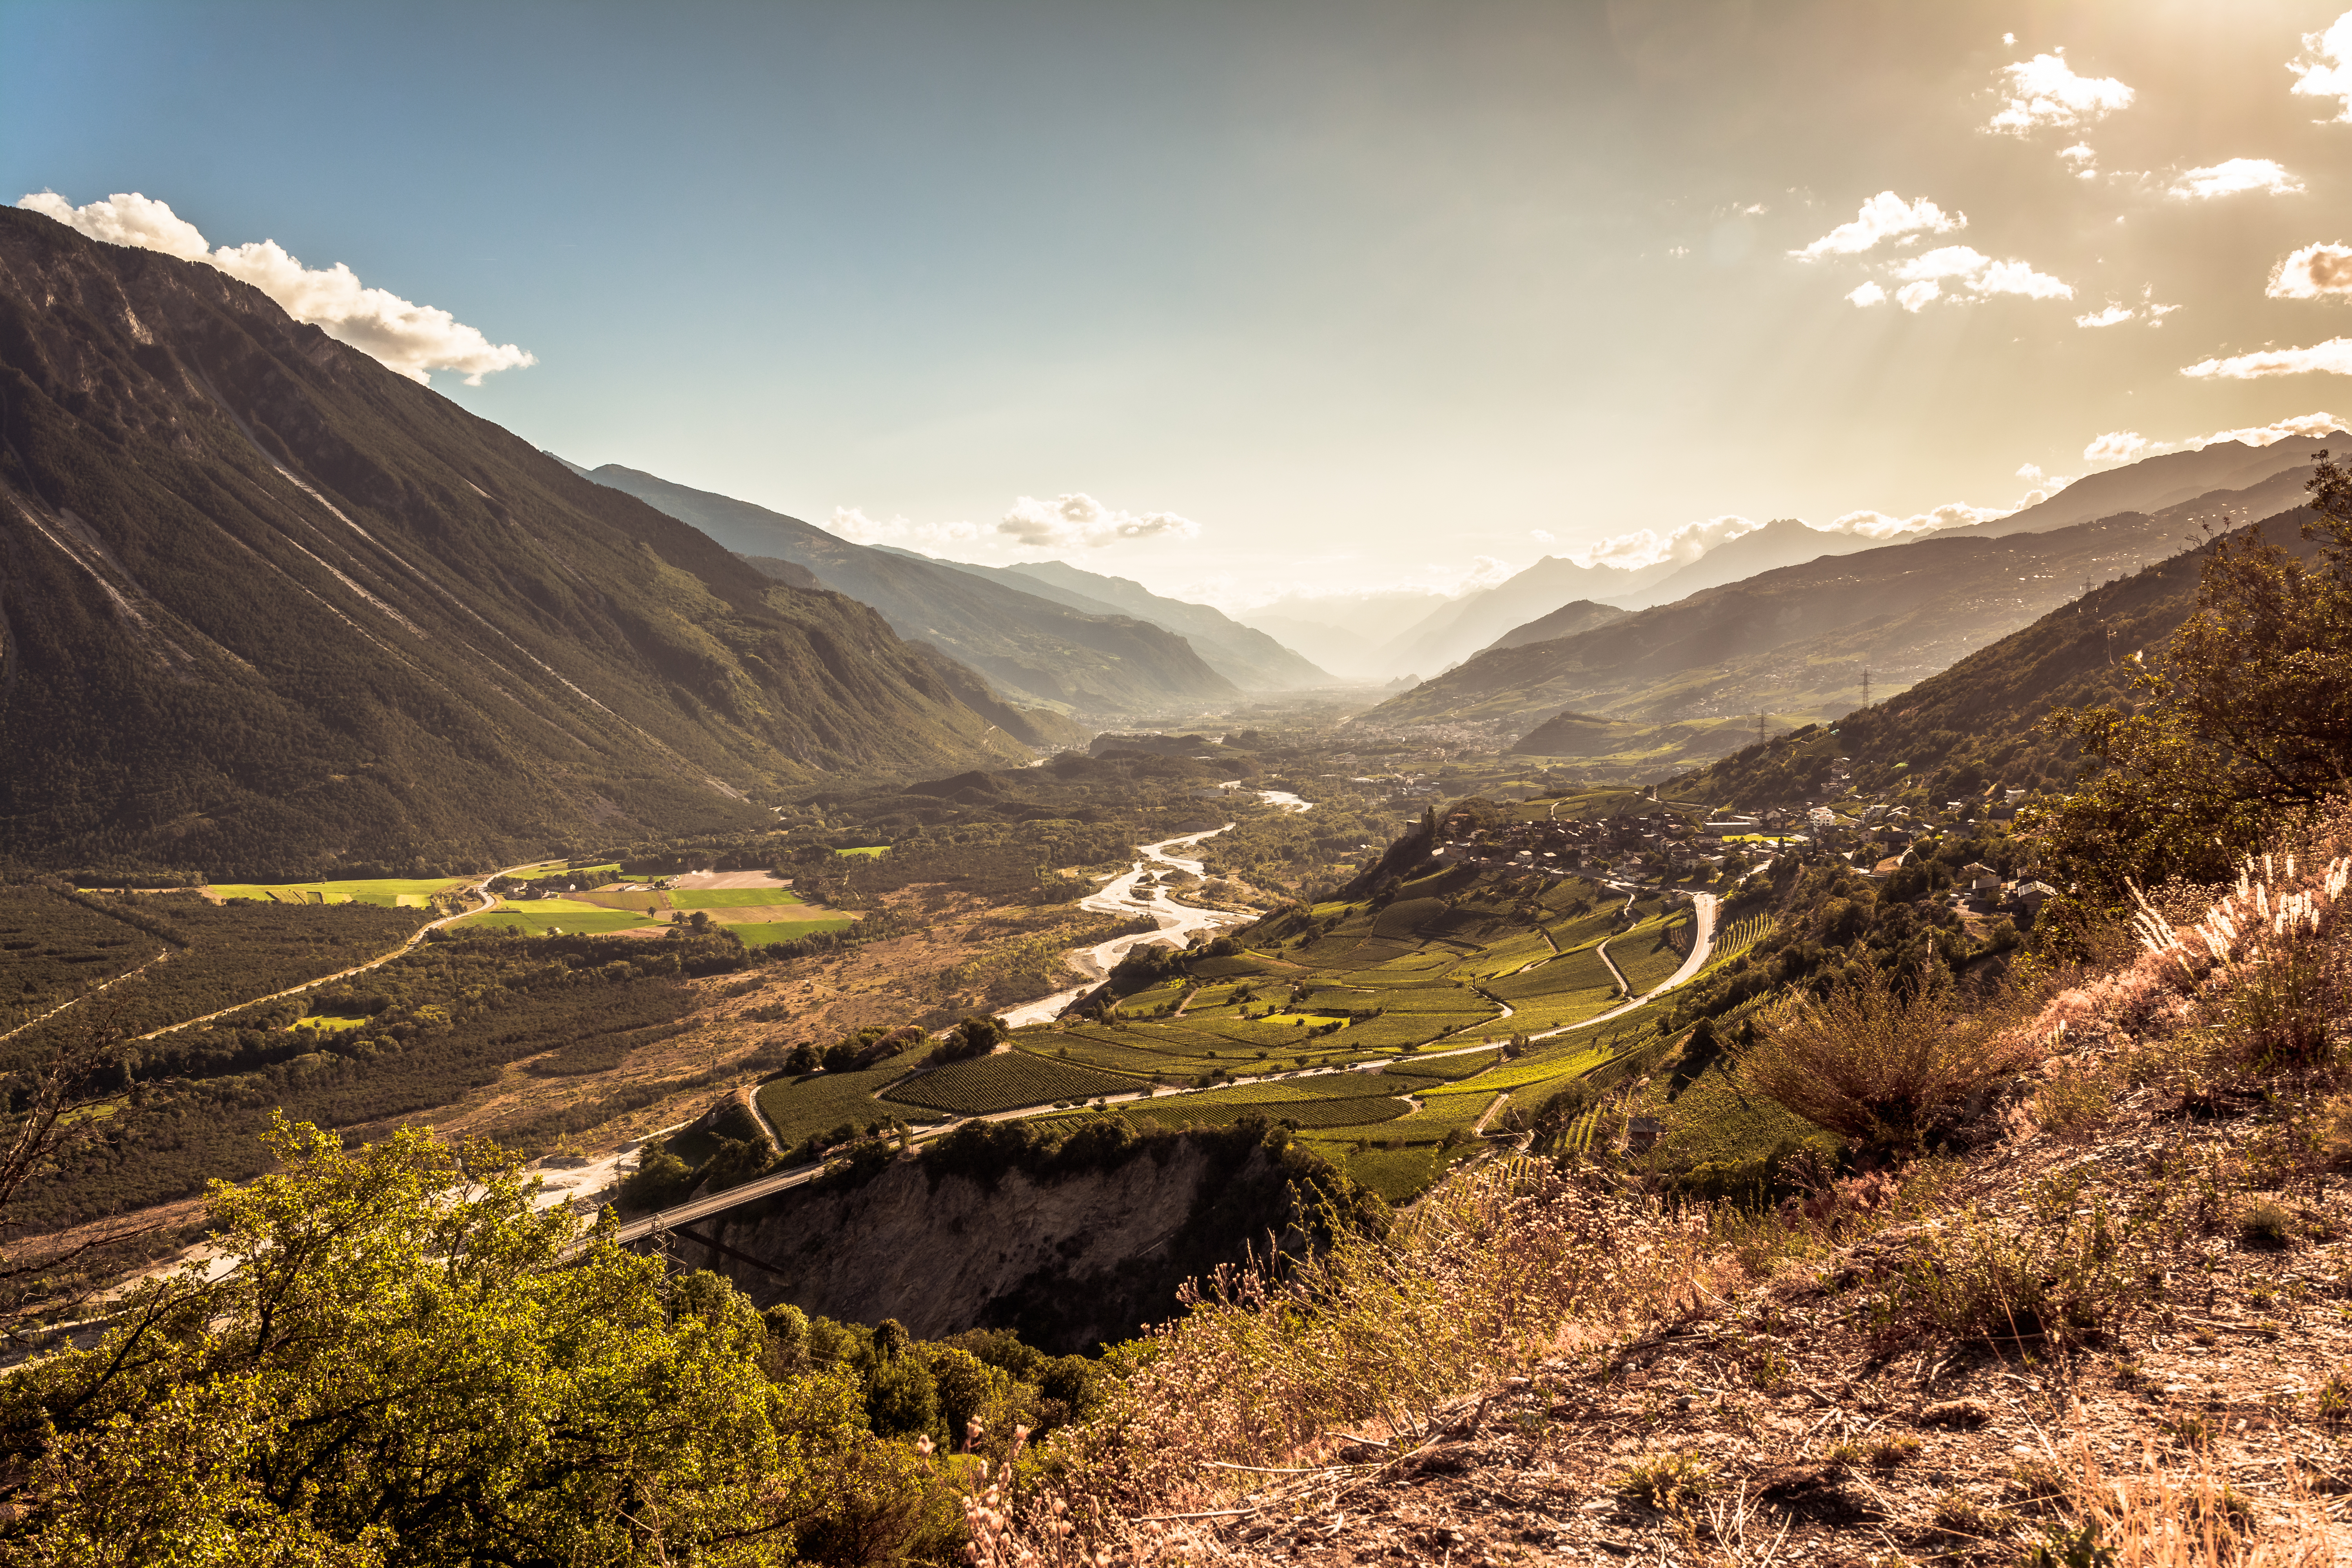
1887	1065
410	1365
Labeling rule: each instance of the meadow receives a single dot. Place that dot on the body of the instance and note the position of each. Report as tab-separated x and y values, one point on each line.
732	897
536	917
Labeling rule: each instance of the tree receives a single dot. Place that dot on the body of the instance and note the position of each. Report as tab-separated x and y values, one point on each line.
2246	717
410	1363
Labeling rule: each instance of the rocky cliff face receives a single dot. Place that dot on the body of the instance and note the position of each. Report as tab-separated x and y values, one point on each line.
1065	1260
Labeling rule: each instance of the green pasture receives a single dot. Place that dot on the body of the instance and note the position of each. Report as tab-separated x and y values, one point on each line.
869	849
732	897
391	893
538	916
328	1023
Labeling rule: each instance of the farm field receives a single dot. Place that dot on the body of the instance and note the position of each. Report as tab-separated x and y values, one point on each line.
391	892
571	916
1380	989
732	897
1007	1081
799	1108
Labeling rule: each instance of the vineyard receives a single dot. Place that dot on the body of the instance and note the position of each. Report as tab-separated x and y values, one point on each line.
1374	1031
1005	1082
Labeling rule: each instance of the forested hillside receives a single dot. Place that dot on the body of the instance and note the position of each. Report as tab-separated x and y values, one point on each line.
268	607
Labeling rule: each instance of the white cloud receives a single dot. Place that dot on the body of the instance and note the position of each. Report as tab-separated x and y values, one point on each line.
1946	261
1868	524
2235	175
1916	297
2080	152
1078	522
1883	216
413	339
1540	535
2018	278
2107	318
2325	70
851	523
1868	294
2045	93
1647	546
2314	272
2029	471
2124	445
2301	424
2333	357
1979	272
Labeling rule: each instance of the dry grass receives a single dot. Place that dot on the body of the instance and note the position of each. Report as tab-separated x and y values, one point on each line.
2177	1517
1887	1063
1495	1269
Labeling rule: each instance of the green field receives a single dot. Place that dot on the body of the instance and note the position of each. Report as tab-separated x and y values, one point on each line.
567	915
798	1107
1007	1081
392	892
869	849
759	934
732	897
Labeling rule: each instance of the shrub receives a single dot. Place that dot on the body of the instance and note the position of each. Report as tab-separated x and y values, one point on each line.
2265	1227
2066	1278
1668	1483
1885	1065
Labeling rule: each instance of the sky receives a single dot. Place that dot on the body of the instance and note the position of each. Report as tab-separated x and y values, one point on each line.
1263	300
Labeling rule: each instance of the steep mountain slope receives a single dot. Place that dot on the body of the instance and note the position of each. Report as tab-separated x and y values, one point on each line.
1801	637
1032	648
1243	655
1460	627
1975	724
268	608
1578	615
1783	541
2155	484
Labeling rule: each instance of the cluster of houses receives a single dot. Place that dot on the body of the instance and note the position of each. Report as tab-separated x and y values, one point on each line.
1612	846
1877	839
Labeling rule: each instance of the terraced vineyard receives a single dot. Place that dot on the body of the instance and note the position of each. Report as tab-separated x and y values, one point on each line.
1417	995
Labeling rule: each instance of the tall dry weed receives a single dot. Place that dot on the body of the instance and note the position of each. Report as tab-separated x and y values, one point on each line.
1490	1273
2176	1517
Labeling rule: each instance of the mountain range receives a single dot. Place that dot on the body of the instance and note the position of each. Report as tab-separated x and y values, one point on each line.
1795	641
268	608
1036	641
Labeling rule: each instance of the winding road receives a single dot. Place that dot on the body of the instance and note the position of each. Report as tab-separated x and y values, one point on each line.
1098	960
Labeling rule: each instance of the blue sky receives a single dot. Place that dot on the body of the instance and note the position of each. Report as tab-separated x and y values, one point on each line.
1370	295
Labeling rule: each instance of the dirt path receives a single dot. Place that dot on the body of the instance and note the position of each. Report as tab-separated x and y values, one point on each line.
126	974
1600	951
479	888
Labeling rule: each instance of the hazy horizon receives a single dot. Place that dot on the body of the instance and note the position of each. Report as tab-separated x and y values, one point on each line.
1241	303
